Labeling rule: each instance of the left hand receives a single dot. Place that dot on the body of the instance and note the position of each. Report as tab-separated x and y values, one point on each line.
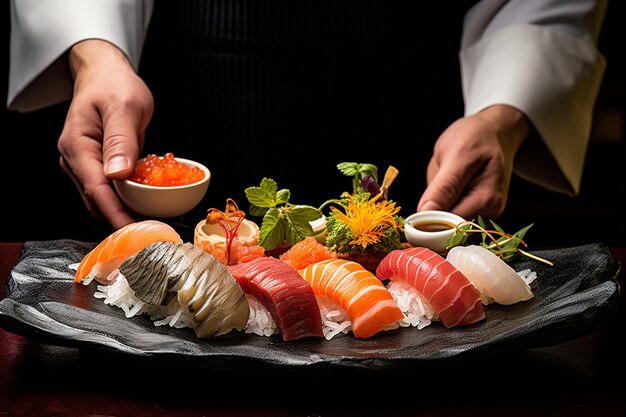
105	125
472	164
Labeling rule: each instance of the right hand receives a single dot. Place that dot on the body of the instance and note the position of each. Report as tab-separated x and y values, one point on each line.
472	163
104	128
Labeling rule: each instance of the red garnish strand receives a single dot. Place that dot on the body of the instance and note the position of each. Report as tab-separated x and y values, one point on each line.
229	220
165	171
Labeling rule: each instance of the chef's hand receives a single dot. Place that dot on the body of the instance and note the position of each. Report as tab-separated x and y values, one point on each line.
472	164
104	128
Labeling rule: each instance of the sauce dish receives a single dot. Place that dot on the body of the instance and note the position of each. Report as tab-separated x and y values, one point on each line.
431	229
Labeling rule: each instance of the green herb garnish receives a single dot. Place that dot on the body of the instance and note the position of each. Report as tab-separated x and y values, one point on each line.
282	221
506	246
358	171
364	221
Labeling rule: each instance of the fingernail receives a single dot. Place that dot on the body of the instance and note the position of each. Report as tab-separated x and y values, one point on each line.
429	205
116	164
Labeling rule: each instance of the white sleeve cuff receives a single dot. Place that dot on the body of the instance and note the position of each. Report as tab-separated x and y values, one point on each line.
551	76
43	30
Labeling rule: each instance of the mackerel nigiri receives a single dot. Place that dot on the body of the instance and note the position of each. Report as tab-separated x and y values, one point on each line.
451	295
369	304
282	291
207	293
119	245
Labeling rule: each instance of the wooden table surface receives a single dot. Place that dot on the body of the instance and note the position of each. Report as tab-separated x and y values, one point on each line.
582	377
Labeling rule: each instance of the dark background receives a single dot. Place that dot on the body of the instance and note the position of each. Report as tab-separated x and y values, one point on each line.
39	202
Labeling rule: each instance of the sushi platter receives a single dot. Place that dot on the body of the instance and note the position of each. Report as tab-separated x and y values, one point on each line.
573	297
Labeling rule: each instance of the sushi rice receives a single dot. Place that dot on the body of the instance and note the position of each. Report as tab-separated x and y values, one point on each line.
121	295
335	319
416	310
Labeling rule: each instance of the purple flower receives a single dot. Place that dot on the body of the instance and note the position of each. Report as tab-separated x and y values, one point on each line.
371	186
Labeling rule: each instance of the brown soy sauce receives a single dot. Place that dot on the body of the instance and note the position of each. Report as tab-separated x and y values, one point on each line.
433	225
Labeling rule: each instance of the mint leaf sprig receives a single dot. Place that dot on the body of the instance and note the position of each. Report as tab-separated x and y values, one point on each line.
282	221
358	171
506	246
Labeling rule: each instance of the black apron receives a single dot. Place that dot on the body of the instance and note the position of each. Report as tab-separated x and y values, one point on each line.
287	89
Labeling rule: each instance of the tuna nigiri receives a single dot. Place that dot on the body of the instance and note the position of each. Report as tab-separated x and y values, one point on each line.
493	277
200	286
119	245
367	301
282	291
450	294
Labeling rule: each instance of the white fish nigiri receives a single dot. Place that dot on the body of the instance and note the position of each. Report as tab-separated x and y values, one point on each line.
493	277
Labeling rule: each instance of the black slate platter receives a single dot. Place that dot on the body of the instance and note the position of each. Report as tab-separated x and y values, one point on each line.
574	297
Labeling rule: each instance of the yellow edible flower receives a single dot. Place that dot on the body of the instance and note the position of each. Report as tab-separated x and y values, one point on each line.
368	219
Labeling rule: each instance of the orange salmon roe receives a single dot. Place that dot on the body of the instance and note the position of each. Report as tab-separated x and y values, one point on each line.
306	252
247	253
165	171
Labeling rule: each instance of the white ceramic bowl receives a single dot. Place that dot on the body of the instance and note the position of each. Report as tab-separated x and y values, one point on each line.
431	229
163	201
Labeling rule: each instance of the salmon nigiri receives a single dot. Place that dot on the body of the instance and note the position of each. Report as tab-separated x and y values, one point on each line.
359	292
450	293
119	245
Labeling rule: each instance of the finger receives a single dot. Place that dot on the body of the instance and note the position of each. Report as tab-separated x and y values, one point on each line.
90	207
446	186
482	197
111	207
99	198
477	203
98	190
81	160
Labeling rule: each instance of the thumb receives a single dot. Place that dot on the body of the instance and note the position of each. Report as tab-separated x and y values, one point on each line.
444	189
424	205
118	167
120	147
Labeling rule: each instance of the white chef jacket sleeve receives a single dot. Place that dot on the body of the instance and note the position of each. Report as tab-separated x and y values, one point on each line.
42	31
540	57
